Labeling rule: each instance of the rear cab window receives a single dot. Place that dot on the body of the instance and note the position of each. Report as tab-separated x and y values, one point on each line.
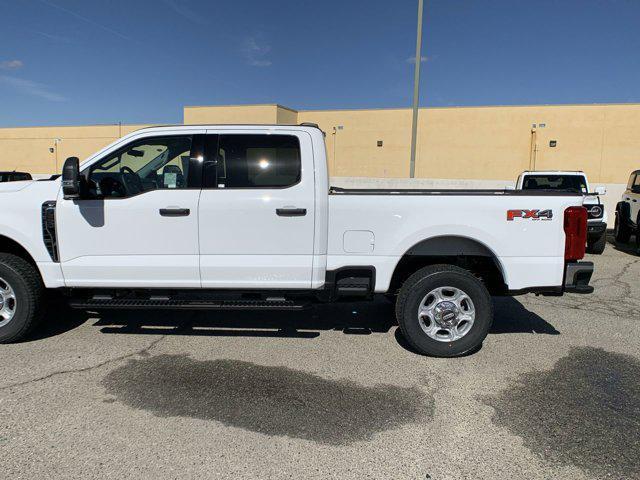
574	183
252	161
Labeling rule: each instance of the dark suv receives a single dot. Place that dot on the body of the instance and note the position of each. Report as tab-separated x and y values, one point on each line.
14	176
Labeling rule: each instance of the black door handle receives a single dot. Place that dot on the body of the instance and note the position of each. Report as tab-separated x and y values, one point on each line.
175	212
291	212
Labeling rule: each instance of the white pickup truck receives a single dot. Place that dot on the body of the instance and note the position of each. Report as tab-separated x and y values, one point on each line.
575	181
238	217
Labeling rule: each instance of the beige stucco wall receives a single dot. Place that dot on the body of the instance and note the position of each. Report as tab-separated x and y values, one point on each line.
479	143
42	150
231	114
483	142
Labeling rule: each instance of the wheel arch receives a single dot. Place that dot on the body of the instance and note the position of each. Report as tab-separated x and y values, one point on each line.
9	245
465	252
623	208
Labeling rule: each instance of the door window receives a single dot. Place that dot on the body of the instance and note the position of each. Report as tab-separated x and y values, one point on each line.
148	164
252	161
631	180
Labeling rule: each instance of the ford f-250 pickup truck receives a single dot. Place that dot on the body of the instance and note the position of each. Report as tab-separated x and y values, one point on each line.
238	217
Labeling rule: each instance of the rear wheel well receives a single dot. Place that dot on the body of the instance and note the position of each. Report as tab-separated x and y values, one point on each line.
484	268
451	250
7	245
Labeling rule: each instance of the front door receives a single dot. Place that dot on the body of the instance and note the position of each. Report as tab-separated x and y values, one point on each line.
257	210
137	223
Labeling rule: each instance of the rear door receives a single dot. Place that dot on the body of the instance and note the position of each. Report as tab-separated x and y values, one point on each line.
257	210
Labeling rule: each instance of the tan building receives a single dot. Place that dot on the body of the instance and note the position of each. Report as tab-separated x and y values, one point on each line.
459	143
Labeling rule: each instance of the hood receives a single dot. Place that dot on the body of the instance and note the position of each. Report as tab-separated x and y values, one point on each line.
592	200
7	187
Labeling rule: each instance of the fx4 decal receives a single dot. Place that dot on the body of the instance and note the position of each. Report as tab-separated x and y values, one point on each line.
532	214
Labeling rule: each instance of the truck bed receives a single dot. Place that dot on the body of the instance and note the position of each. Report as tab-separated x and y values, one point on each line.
451	191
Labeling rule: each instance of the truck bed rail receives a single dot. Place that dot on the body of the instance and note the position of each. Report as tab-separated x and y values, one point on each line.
451	191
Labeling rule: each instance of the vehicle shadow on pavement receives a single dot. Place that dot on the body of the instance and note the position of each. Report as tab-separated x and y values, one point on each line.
628	248
510	316
351	318
58	318
362	318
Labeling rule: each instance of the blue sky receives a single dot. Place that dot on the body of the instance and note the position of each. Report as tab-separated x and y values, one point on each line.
139	61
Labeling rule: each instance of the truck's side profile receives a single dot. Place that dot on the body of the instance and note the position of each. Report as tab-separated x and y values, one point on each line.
226	217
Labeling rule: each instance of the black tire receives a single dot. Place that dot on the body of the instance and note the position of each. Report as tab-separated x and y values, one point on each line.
418	286
27	286
596	246
621	227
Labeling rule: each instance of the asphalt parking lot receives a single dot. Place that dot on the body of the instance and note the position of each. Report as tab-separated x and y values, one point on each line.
332	392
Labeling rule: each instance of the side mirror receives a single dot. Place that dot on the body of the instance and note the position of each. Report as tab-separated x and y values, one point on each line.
71	178
601	190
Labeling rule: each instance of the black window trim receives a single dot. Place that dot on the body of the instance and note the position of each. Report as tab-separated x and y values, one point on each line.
194	175
208	185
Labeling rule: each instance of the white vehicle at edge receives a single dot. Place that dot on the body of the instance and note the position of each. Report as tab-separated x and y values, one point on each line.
225	217
577	181
628	212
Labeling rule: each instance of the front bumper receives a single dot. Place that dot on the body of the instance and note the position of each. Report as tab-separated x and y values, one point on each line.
595	229
577	276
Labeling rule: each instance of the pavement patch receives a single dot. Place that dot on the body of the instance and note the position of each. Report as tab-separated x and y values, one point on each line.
269	400
583	412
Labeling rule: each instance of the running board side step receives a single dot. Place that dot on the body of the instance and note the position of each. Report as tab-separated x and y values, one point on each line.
104	303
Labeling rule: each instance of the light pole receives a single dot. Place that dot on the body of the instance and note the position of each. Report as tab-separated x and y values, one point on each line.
416	93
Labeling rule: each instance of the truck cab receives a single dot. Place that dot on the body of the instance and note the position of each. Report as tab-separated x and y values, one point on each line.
575	181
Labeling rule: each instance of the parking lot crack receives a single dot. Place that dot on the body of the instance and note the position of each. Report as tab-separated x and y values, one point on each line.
141	352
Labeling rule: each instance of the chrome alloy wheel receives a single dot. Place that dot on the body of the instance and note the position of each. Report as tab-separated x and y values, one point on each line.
8	302
446	314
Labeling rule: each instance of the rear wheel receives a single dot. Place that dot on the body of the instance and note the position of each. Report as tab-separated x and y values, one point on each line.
621	228
444	311
597	245
21	298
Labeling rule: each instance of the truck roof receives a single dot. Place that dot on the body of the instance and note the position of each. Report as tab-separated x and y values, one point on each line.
553	172
301	126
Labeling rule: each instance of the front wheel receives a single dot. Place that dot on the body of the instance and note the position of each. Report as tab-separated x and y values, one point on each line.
444	311
21	298
621	228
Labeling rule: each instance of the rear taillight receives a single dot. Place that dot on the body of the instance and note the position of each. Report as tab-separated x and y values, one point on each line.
575	229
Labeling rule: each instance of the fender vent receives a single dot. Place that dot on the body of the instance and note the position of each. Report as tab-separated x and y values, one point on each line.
49	229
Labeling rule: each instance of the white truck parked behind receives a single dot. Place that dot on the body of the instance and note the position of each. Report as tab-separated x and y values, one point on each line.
228	217
575	182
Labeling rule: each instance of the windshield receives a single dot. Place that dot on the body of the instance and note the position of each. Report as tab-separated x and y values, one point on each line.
576	183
